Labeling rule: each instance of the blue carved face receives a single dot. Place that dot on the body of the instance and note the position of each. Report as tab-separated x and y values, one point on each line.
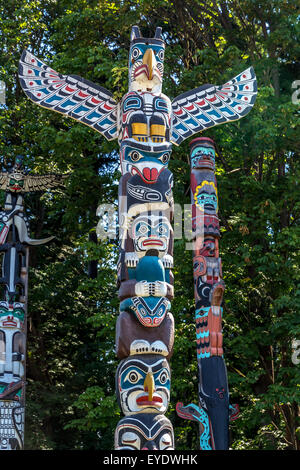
148	165
151	232
206	197
203	157
143	384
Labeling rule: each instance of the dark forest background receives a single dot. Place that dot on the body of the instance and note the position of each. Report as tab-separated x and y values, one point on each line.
73	303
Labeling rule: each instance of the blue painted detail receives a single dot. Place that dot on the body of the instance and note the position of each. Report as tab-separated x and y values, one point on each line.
202	312
201	416
132	102
54	98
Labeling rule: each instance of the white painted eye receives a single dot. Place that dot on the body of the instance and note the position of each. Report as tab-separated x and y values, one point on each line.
135	53
165	442
133	377
161	54
162	229
163	377
135	156
165	157
143	229
131	439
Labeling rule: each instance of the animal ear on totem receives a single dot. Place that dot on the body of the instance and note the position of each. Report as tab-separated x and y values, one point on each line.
135	33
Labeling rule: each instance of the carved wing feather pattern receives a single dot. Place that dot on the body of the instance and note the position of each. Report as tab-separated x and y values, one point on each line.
210	105
43	182
70	95
4	178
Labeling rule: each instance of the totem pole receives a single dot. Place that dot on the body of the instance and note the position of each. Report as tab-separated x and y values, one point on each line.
146	124
214	411
14	247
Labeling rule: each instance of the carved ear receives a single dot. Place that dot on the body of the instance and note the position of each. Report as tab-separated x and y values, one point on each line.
135	33
158	33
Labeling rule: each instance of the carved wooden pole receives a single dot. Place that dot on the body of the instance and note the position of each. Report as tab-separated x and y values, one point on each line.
214	410
14	247
146	124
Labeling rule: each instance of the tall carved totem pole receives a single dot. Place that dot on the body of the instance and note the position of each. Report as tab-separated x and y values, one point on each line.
146	124
14	247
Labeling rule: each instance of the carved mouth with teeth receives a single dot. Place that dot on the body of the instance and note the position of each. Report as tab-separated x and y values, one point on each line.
154	242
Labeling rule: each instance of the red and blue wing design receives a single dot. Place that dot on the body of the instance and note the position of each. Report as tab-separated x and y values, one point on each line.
70	95
210	105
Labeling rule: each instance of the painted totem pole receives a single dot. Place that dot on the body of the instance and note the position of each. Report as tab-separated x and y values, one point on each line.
146	124
213	412
14	248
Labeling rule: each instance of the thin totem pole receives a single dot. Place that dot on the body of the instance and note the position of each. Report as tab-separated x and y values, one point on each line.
146	124
214	411
14	248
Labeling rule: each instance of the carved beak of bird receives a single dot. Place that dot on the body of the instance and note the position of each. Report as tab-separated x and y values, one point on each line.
150	61
149	385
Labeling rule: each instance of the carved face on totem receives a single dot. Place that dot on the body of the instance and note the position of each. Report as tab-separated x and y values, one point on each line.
144	432
143	384
16	182
147	164
146	62
150	232
206	197
203	153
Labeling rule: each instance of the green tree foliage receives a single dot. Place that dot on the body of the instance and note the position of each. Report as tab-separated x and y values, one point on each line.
73	301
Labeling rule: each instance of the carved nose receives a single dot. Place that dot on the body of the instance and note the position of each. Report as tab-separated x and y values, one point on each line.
149	385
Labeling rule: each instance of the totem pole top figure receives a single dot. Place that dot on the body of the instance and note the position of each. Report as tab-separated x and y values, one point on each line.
145	121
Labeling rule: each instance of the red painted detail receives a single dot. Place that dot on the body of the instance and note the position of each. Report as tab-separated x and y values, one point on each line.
247	88
239	108
246	99
82	95
152	242
68	88
212	99
29	71
30	83
109	108
144	400
39	94
33	61
189	108
244	76
179	112
150	174
201	103
93	100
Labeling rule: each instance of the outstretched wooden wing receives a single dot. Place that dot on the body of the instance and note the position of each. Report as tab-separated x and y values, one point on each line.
43	182
210	105
4	179
71	95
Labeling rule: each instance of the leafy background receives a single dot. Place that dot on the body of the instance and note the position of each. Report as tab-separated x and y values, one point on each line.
73	303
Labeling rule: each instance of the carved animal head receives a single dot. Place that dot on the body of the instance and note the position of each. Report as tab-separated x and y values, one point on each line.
146	61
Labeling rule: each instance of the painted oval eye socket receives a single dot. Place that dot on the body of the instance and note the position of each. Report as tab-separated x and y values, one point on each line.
165	158
135	54
143	229
131	439
161	54
162	230
135	156
133	377
165	442
163	377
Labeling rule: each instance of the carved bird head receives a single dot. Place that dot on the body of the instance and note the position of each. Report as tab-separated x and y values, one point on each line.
146	62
